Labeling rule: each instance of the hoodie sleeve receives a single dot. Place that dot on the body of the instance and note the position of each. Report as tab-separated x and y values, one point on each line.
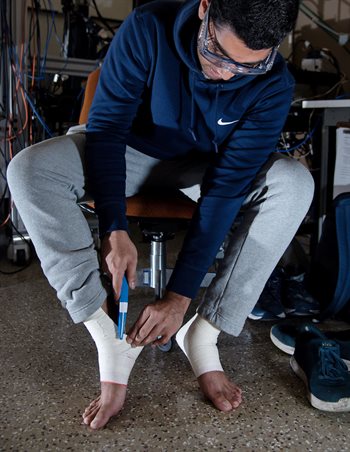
225	186
122	81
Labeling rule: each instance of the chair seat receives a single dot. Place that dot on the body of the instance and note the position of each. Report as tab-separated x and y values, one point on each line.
157	206
150	206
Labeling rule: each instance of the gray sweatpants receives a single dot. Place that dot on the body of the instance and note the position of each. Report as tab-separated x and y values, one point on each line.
47	180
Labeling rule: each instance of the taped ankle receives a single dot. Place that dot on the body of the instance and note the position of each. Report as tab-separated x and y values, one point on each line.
116	357
198	339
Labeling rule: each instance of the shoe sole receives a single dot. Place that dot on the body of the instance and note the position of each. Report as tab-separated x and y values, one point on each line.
290	350
279	344
340	406
302	314
270	317
254	317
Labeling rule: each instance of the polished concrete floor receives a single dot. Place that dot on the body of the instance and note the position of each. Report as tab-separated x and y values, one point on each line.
49	374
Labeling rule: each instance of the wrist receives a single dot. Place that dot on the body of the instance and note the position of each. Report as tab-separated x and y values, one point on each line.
180	300
114	234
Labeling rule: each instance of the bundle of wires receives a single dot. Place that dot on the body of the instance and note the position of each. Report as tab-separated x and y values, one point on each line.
20	72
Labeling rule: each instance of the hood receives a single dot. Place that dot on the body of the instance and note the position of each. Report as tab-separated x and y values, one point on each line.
186	29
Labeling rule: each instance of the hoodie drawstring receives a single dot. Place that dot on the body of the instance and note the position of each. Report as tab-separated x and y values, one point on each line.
214	141
191	128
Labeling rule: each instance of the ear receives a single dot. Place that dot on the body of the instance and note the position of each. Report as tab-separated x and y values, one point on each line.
202	9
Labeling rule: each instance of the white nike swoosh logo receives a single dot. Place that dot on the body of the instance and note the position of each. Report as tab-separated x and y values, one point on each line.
224	123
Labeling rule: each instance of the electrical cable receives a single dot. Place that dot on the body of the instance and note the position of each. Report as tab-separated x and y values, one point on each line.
307	138
15	105
5	11
38	34
30	101
53	14
341	38
49	29
102	19
341	82
301	143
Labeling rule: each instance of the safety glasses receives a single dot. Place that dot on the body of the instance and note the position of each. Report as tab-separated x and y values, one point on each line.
207	45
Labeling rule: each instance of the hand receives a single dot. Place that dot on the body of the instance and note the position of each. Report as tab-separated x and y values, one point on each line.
159	321
119	257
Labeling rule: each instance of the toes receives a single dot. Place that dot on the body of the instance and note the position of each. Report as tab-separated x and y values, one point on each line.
100	420
224	394
221	403
90	410
227	400
92	406
93	403
234	395
111	401
88	418
235	400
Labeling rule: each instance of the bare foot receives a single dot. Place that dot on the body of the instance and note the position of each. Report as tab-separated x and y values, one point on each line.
108	404
224	394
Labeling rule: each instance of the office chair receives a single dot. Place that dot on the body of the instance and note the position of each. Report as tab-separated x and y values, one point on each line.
158	216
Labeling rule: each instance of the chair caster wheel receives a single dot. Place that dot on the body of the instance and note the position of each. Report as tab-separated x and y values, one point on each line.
168	346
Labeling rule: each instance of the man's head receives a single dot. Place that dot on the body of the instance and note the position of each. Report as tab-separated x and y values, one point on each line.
260	24
242	36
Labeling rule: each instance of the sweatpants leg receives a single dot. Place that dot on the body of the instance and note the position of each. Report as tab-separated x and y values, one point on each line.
147	173
277	203
46	182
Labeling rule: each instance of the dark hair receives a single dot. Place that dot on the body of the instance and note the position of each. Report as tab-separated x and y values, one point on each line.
260	24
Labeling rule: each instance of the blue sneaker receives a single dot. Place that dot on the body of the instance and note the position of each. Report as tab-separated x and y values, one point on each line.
284	335
259	313
269	305
317	362
297	300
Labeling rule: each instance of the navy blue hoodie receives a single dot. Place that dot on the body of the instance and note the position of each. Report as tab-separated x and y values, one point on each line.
153	96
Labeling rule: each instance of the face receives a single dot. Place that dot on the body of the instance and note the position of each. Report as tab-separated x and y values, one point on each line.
224	43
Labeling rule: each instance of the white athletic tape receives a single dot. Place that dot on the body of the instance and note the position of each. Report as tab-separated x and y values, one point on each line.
116	357
197	339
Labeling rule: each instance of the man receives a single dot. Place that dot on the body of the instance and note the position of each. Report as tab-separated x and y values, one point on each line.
192	96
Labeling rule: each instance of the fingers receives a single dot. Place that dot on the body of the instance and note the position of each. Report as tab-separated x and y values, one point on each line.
131	275
154	337
152	327
117	279
140	330
143	332
158	321
119	256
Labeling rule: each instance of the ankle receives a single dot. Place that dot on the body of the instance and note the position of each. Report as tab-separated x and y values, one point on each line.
198	340
116	358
